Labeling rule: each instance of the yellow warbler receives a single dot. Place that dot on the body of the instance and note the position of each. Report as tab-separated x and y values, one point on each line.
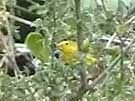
70	54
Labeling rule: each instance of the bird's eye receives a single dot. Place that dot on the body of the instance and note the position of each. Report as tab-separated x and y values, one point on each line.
66	43
64	39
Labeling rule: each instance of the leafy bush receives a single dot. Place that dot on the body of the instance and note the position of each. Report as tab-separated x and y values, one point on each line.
107	25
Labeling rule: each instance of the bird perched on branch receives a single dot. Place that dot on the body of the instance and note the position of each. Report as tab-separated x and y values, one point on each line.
69	53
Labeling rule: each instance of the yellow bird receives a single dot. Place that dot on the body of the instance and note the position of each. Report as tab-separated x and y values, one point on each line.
69	53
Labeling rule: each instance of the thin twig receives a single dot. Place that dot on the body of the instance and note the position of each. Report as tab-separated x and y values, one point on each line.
32	2
21	20
116	40
104	8
111	40
83	81
12	17
79	26
79	42
2	61
130	20
53	34
122	56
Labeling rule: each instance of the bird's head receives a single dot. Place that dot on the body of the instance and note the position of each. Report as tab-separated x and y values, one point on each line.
67	46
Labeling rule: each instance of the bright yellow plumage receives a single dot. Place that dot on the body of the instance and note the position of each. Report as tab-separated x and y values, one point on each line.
69	53
68	50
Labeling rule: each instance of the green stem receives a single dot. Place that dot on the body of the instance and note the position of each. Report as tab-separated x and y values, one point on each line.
104	8
122	58
54	32
79	26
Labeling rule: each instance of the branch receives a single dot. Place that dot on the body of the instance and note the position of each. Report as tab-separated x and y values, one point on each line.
83	81
130	20
21	20
111	40
79	26
79	43
115	40
54	32
32	2
110	67
104	8
101	76
5	14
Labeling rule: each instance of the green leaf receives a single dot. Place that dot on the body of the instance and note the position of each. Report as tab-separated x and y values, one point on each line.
35	42
121	28
85	45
